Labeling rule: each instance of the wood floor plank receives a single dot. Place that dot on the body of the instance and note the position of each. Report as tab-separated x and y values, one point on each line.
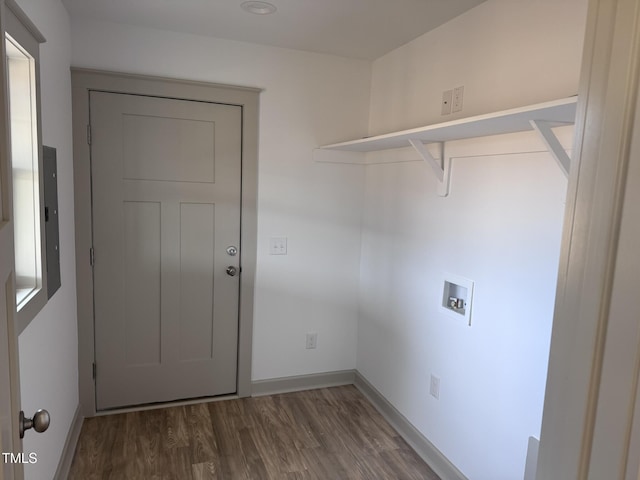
226	422
201	439
100	437
273	438
205	471
254	461
235	467
306	433
148	444
119	458
405	462
177	432
321	464
179	460
331	433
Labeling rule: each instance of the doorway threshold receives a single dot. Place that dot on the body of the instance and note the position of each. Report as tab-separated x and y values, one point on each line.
174	403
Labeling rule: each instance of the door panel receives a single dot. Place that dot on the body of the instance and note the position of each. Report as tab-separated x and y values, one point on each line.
172	149
166	205
142	321
197	234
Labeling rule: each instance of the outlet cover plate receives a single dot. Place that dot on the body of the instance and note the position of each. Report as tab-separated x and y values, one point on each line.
312	340
447	97
456	103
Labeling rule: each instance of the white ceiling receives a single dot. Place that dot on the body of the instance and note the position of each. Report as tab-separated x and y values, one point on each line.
352	28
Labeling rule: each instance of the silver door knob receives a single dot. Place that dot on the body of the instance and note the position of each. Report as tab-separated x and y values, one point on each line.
39	422
232	271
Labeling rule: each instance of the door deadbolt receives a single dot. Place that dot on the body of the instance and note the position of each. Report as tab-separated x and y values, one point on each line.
233	251
39	422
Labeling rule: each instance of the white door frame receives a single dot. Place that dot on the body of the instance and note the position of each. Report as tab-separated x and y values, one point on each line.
83	81
587	420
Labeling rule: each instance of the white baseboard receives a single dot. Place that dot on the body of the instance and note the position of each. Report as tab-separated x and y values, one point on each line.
69	450
423	447
302	382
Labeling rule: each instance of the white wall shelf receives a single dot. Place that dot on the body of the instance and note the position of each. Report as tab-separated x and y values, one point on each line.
540	118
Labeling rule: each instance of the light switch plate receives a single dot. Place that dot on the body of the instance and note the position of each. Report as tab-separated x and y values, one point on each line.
278	246
434	387
456	102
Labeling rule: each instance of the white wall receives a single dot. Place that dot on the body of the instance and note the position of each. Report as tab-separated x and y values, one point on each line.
505	53
500	226
49	345
308	99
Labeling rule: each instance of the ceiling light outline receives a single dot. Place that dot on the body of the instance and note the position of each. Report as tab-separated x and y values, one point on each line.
258	8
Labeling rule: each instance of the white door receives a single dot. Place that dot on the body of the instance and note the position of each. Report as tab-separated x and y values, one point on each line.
8	348
8	345
166	232
9	393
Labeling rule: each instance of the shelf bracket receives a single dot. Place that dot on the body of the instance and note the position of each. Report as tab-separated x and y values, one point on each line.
427	157
441	169
553	144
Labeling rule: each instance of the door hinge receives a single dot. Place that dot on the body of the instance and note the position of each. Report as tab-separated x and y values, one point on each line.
93	370
92	257
89	134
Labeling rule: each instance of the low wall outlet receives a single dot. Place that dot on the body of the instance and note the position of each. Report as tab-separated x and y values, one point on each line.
312	340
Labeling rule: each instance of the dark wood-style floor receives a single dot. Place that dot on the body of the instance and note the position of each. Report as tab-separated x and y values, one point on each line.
327	434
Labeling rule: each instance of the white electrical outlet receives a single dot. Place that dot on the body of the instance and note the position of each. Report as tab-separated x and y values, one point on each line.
447	98
456	103
434	388
312	340
278	246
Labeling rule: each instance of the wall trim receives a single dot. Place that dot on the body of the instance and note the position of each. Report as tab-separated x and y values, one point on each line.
273	386
69	450
423	447
25	20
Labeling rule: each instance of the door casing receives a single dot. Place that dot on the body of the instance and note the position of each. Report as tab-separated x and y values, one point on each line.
590	409
85	80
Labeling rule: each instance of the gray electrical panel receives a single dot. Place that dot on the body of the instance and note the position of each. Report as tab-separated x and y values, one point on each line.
52	234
